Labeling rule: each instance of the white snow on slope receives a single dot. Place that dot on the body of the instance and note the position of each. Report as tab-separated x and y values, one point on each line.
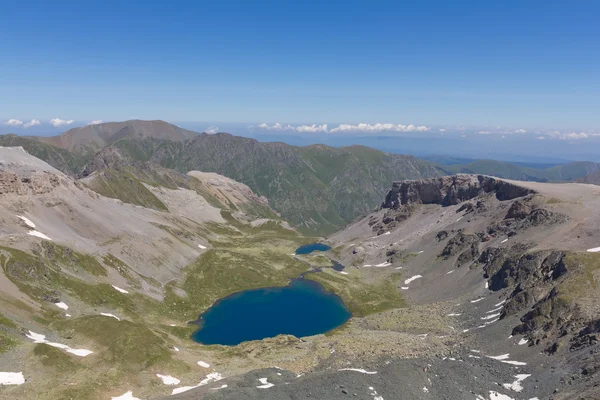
265	384
39	338
362	371
62	305
11	378
38	234
119	289
491	316
126	396
477	300
516	385
110	315
212	377
594	250
27	221
168	379
201	247
504	358
203	364
412	278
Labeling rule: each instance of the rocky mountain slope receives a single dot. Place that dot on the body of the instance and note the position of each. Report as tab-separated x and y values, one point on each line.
95	293
499	280
460	287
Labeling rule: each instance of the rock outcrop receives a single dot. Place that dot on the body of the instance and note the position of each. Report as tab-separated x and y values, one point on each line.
450	190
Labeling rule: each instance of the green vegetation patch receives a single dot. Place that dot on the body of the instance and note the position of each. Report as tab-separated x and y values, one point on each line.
125	187
55	358
360	297
128	345
219	273
72	259
584	280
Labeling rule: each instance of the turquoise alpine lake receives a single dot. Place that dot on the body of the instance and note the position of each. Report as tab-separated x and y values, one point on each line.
309	248
303	308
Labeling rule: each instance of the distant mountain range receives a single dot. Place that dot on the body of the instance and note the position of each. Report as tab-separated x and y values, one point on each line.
317	188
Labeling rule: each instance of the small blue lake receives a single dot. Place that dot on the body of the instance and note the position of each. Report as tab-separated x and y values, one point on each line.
303	308
309	248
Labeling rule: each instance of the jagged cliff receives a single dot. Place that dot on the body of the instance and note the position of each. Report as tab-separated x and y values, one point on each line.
450	190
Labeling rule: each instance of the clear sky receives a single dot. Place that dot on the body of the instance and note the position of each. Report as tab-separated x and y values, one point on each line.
523	64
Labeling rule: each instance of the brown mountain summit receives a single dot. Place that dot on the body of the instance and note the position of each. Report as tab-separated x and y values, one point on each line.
94	137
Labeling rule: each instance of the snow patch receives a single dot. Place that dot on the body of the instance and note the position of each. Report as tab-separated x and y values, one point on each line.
499	304
62	305
523	341
119	289
27	221
362	371
594	250
412	278
344	273
110	315
491	316
38	234
404	288
220	387
504	241
126	396
449	272
39	338
203	364
494	310
477	300
168	379
504	358
516	385
453	314
265	384
175	348
383	264
11	378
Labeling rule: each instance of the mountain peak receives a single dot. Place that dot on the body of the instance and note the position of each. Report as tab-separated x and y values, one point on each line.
91	138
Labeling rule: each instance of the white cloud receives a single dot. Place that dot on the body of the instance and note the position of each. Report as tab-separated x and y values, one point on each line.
484	132
60	122
312	128
442	130
362	127
520	131
276	127
541	138
14	122
96	122
573	135
212	130
31	123
18	122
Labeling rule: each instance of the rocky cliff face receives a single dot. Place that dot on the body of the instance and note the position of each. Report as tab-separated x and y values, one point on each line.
450	190
22	174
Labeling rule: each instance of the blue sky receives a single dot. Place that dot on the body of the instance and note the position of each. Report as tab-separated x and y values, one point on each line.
518	65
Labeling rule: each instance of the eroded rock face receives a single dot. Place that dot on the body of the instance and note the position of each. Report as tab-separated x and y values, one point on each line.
450	190
39	182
